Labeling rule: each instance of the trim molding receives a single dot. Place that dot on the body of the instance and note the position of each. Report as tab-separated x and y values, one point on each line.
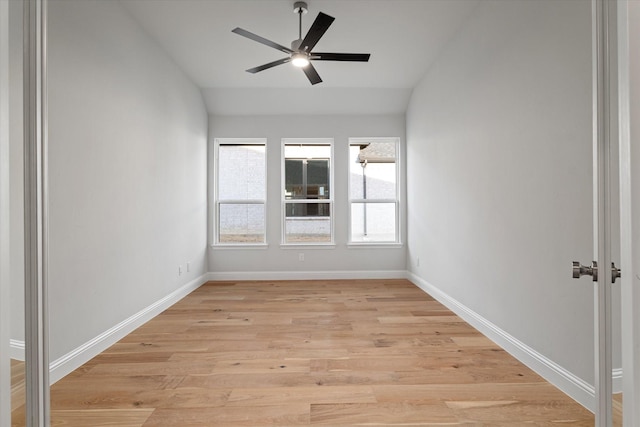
578	389
306	275
617	380
16	350
80	355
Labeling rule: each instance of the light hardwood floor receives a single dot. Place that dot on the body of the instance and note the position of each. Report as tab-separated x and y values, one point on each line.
17	384
333	353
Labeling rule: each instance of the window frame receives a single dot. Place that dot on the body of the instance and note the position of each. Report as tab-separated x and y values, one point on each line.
283	200
397	201
215	238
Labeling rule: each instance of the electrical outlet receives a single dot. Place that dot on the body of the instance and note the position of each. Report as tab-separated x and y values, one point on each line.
418	261
179	270
188	266
301	256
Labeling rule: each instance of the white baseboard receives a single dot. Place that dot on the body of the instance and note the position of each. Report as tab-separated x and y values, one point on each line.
77	357
617	380
572	385
16	350
307	275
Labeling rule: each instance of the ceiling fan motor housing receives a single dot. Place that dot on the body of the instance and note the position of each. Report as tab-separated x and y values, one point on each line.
295	45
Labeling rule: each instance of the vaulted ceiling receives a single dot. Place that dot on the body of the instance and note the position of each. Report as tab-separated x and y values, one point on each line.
404	38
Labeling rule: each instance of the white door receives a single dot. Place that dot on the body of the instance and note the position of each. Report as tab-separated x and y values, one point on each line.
616	37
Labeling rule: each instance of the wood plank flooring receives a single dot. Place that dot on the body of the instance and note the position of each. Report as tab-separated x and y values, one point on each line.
290	353
17	384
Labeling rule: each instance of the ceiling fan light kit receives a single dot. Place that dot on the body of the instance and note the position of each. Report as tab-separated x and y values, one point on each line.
299	59
301	53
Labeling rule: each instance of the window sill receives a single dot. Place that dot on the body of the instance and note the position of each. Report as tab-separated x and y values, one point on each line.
374	245
239	246
307	245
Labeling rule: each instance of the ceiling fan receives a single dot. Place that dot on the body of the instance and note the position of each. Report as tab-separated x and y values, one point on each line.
301	53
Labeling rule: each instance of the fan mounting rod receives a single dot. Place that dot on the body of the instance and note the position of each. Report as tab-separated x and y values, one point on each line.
300	8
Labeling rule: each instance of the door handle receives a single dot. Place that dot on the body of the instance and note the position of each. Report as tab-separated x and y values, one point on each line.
583	270
615	273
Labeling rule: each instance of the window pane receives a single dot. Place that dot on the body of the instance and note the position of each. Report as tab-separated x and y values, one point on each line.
307	223
307	176
241	223
294	182
241	172
306	179
307	171
373	170
306	209
307	151
373	222
317	179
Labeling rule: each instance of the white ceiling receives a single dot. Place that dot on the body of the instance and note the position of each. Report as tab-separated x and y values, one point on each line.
403	36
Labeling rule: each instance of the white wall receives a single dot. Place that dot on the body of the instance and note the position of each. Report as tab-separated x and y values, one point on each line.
499	173
127	172
341	260
5	263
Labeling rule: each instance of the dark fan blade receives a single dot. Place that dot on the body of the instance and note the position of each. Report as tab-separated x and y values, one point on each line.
357	57
262	40
269	65
312	74
317	30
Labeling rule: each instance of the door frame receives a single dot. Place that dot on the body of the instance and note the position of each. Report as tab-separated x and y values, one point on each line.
616	30
603	33
628	31
5	306
36	213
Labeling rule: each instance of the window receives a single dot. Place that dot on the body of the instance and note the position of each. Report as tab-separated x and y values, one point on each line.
373	190
240	191
307	193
